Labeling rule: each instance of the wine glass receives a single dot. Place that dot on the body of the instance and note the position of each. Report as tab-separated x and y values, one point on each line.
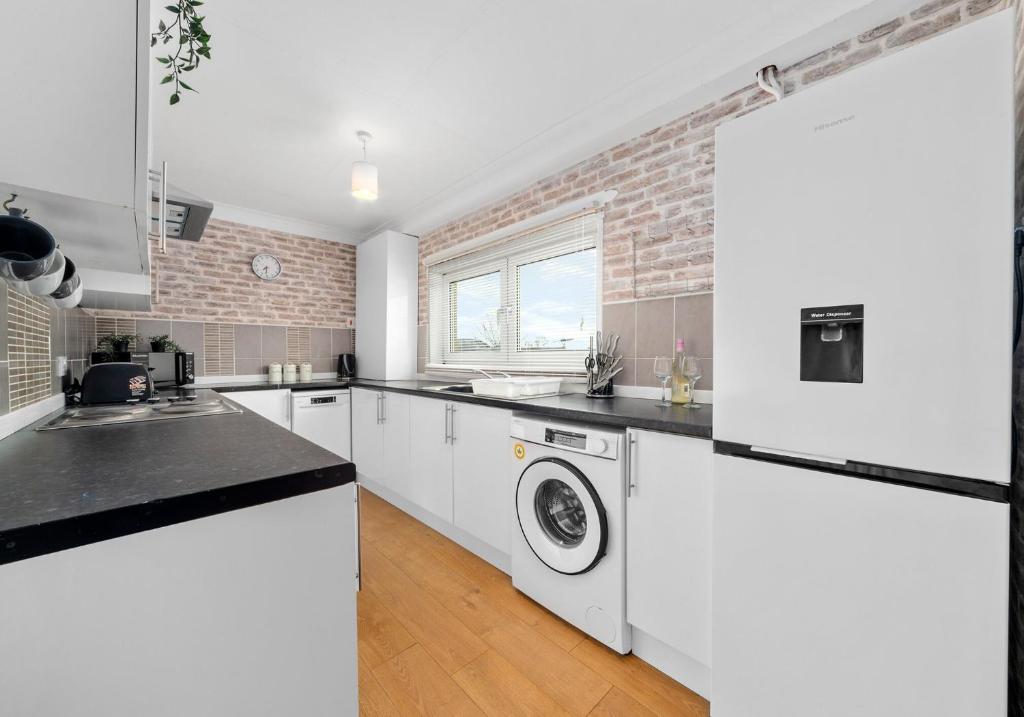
692	373
663	372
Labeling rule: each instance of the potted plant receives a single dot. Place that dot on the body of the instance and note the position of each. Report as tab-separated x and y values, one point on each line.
162	344
117	343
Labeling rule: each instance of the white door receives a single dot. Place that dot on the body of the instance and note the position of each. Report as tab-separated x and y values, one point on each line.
837	196
482	475
273	405
562	516
429	483
395	422
367	434
668	541
845	597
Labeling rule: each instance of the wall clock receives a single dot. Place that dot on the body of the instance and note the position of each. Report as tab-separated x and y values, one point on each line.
266	266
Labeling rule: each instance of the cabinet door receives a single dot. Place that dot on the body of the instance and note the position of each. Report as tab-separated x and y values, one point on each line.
68	142
668	541
272	405
482	502
429	480
367	434
395	424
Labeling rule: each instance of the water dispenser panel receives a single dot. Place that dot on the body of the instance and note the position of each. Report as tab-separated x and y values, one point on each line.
832	344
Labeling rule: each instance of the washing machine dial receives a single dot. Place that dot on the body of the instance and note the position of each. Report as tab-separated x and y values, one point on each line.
597	445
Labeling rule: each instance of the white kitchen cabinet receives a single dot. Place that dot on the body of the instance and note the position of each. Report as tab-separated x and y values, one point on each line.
386	306
396	450
367	433
79	154
429	482
482	497
250	612
380	436
668	541
76	134
449	458
274	405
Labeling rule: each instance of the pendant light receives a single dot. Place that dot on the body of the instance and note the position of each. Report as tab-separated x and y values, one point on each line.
364	174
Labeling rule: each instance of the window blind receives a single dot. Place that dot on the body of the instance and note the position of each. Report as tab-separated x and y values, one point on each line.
527	304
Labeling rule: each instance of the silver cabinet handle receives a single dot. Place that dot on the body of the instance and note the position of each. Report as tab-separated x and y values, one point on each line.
383	407
452	407
378	409
447	416
163	207
630	464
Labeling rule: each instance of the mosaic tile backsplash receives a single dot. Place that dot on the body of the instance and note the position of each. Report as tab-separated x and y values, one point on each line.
32	336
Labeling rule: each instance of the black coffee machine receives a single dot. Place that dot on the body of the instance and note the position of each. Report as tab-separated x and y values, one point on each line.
346	366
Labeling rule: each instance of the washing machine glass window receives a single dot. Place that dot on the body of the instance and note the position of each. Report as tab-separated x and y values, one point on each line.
561	516
560	512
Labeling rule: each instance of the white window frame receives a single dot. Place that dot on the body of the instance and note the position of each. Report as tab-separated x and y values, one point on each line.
507	256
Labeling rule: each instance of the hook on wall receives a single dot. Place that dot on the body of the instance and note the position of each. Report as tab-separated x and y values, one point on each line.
768	80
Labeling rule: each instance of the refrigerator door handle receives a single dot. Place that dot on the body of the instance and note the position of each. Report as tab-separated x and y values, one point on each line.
801	456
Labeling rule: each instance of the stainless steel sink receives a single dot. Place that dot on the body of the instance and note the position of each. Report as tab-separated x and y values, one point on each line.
453	388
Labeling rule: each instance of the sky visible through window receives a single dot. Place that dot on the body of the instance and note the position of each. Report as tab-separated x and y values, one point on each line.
475	303
558	302
557	306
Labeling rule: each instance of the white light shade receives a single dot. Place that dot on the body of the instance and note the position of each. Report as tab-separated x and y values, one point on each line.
364	180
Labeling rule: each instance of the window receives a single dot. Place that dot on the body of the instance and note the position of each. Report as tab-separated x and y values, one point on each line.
528	303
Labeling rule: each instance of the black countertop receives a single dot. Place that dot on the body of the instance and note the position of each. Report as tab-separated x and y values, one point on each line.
267	386
619	412
71	487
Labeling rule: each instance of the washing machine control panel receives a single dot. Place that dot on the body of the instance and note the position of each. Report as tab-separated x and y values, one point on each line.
591	440
565	438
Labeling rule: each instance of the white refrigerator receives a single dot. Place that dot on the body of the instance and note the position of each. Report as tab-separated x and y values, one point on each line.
863	330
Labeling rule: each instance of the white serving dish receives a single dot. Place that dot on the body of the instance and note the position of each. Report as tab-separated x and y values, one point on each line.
539	386
516	388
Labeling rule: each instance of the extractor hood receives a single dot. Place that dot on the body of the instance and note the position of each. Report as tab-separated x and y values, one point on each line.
186	214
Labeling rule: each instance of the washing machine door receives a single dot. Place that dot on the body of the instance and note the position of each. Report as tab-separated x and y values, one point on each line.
561	516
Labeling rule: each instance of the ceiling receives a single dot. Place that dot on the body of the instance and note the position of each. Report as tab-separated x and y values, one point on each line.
467	99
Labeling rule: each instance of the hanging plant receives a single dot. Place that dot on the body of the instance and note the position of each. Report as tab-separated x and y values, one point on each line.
193	44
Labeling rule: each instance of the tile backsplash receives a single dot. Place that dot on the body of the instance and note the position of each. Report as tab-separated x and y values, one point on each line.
32	337
223	349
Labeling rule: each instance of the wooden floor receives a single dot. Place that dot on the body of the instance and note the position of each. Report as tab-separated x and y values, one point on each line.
442	632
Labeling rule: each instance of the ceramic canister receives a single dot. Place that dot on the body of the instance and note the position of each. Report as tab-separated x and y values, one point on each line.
289	373
275	372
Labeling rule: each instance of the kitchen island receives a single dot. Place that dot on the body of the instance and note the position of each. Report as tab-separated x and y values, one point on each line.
203	566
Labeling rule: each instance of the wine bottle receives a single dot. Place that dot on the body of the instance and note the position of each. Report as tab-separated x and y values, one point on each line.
680	384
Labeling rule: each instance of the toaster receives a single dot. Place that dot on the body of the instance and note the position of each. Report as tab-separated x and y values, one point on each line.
116	382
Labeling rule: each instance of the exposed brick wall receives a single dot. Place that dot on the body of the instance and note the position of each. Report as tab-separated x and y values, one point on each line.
212	280
659	230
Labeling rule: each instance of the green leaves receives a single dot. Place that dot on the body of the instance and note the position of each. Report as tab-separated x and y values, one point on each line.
186	25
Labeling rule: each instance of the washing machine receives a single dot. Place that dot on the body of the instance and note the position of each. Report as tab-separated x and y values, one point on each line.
568	546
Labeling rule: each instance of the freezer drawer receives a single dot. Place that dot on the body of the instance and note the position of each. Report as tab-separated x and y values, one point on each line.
846	597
